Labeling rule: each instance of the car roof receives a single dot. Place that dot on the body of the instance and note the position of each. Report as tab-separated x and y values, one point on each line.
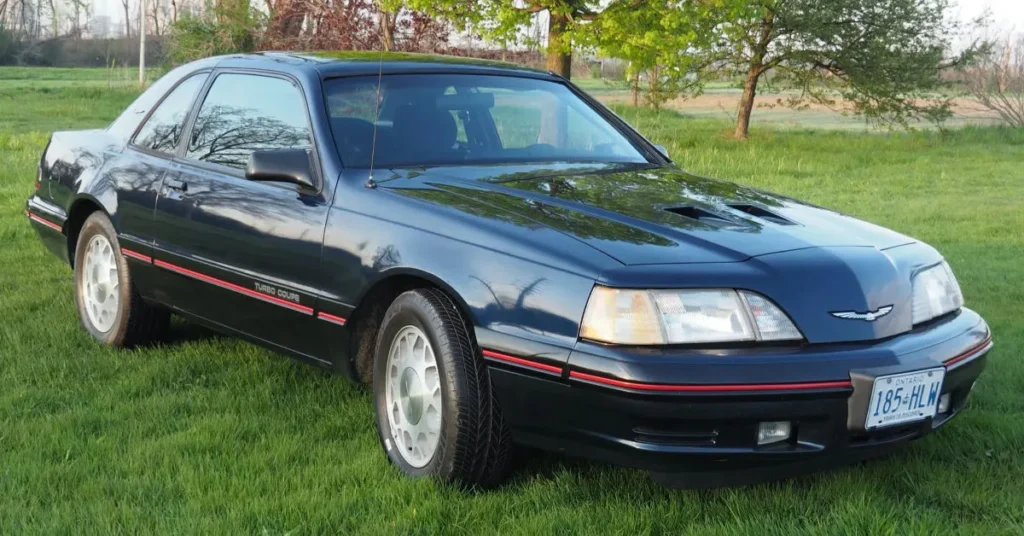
348	63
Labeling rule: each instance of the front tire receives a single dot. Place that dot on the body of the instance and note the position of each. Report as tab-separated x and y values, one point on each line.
110	308
436	412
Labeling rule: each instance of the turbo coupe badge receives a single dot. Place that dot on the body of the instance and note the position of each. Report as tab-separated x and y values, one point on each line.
869	316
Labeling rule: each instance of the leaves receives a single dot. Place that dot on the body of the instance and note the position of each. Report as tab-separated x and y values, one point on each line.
881	59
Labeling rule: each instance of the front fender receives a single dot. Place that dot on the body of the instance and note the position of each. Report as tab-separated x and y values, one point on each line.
521	284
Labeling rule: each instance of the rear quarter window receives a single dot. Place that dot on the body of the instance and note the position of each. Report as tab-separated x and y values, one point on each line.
128	121
162	130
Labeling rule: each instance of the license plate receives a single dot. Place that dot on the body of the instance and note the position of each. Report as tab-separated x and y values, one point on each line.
902	398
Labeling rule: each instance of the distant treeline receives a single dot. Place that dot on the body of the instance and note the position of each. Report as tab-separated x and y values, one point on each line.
71	52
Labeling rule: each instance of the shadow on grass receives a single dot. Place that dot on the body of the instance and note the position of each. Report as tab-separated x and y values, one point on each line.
182	332
532	465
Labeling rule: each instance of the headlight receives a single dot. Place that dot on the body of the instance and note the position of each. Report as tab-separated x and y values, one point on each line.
936	292
648	317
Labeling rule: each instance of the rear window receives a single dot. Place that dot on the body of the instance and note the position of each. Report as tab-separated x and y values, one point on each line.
427	119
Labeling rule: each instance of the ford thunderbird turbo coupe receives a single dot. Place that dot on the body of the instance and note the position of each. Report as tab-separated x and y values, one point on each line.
506	262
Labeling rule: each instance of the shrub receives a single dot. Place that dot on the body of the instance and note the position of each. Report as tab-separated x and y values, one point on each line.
193	38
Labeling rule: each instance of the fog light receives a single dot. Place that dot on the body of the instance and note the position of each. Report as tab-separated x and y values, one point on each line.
943	403
773	432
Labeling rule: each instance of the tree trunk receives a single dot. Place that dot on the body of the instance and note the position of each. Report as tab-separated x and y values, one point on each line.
634	84
653	88
747	102
286	20
559	58
54	18
1004	66
386	31
156	16
127	20
754	72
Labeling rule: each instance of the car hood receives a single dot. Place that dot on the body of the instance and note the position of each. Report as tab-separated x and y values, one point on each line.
652	215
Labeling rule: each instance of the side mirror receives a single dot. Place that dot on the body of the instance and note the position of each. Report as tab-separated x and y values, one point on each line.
284	165
664	152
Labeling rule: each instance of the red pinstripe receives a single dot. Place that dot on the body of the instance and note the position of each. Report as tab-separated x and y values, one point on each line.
970	353
331	318
45	222
136	255
679	388
231	286
522	362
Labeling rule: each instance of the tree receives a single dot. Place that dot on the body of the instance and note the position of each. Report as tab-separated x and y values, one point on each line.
997	82
229	31
54	18
81	10
883	57
127	19
387	14
286	19
158	13
655	38
569	21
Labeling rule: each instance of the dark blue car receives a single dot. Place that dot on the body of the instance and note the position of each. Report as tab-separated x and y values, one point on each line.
506	262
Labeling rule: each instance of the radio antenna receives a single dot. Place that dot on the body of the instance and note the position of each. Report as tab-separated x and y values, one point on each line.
370	183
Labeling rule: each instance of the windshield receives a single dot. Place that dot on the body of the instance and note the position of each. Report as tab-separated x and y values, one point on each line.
445	119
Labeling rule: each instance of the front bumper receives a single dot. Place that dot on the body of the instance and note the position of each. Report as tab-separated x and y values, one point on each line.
696	413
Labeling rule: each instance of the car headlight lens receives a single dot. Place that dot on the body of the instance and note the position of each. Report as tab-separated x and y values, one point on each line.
650	317
936	292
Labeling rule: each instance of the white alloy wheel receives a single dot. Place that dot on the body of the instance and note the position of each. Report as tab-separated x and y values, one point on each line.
102	284
437	413
413	396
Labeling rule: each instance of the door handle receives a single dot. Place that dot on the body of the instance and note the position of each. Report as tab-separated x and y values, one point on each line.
176	184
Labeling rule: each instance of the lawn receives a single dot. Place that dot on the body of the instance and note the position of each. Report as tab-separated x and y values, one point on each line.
207	434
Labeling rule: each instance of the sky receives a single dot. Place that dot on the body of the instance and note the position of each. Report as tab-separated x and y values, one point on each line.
1008	14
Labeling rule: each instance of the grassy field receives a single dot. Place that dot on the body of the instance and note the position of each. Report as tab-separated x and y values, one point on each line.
208	434
720	99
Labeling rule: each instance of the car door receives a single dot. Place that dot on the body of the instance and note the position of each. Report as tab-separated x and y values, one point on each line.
239	253
138	171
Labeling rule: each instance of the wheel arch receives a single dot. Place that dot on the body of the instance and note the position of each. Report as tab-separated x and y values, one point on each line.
364	321
80	210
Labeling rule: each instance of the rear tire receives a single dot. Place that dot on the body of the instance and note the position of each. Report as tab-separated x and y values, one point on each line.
473	445
110	308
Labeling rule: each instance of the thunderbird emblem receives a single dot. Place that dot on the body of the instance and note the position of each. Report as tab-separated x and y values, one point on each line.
868	316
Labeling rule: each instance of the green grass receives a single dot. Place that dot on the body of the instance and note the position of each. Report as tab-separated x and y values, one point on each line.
48	99
208	434
72	77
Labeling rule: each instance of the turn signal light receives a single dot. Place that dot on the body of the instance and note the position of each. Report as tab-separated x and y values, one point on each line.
943	404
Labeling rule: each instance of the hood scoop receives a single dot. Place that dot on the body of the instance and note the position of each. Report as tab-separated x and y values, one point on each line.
704	216
762	213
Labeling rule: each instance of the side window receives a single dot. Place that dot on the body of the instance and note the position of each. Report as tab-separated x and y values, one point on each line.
582	134
244	113
524	119
517	116
162	130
